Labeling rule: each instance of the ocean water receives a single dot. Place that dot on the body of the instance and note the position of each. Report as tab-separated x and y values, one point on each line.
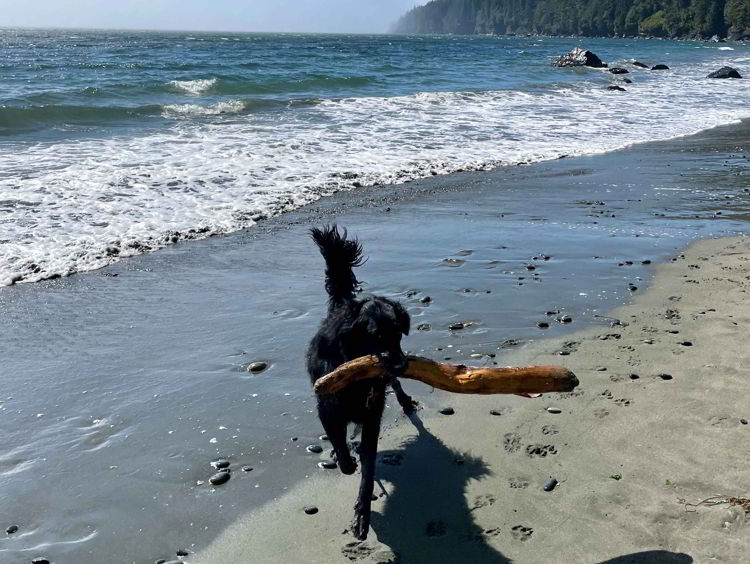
117	143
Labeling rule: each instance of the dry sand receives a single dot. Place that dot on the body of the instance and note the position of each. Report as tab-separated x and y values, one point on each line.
629	452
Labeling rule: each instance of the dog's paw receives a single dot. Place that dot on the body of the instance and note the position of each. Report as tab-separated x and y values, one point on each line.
347	466
360	525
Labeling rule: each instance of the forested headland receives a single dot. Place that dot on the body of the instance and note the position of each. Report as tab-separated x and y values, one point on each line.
684	19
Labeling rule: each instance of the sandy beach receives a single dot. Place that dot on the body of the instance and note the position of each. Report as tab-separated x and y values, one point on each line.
138	377
658	424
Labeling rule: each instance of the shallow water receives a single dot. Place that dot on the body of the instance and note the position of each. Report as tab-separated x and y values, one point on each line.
121	385
116	143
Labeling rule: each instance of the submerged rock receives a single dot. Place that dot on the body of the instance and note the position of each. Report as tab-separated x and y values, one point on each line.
725	72
579	58
660	67
220	478
639	64
617	88
618	70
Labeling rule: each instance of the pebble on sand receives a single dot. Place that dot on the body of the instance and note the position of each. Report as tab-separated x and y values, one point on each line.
12	529
554	410
542	325
220	464
743	421
182	552
564	319
447	411
257	367
550	485
220	478
311	510
665	376
496	412
323	438
247	468
40	561
327	464
315	449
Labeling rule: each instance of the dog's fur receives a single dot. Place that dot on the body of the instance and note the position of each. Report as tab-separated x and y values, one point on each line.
353	328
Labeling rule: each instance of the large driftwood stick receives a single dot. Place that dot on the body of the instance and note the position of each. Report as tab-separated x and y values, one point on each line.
456	377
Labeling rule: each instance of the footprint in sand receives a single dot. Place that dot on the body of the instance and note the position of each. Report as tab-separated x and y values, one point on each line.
518	483
550	430
623	402
521	533
392	459
357	550
512	442
600	413
484	500
540	451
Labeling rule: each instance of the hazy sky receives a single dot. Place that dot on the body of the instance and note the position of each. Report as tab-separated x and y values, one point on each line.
220	15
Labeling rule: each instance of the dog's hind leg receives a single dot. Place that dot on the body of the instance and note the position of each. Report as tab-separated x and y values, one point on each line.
368	451
405	401
335	428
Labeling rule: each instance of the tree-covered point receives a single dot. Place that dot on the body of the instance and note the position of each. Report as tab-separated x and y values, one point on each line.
659	18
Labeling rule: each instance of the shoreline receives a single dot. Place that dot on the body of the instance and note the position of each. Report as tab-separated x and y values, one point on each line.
138	367
655	425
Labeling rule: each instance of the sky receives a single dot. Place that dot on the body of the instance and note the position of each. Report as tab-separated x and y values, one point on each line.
330	16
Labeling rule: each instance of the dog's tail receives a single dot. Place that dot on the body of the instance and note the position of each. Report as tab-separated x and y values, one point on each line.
341	255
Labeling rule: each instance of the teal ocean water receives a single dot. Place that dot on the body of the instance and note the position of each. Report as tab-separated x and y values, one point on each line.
118	143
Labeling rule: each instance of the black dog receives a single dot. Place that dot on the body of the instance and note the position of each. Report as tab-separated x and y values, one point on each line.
354	328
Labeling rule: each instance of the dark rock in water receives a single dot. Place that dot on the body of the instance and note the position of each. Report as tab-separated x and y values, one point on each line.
40	561
564	319
615	87
660	67
327	464
618	70
447	411
220	464
725	72
639	64
247	468
12	529
456	326
627	81
550	485
256	367
220	478
315	449
323	438
632	287
542	325
426	299
424	327
579	58
161	561
182	552
646	261
311	510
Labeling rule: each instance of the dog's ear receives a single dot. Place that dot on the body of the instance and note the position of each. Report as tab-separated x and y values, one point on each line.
402	318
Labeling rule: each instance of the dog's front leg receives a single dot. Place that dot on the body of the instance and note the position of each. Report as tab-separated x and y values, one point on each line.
368	451
405	401
335	428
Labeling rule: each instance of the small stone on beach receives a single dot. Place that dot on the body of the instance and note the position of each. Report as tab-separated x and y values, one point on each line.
564	319
496	412
550	485
665	376
447	411
327	464
40	561
315	449
311	510
323	438
542	325
220	464
247	468
554	410
256	367
12	529
182	552
743	421
220	478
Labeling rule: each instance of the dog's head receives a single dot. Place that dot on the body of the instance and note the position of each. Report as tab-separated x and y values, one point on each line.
377	330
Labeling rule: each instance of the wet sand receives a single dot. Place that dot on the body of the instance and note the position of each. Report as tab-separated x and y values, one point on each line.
659	423
121	386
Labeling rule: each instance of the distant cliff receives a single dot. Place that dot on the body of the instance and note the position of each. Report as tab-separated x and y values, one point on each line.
655	18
